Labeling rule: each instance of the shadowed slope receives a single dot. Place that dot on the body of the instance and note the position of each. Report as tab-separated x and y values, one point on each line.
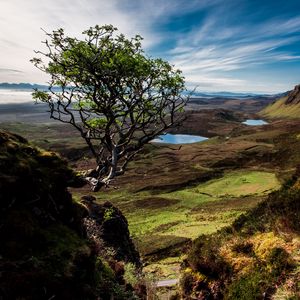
45	252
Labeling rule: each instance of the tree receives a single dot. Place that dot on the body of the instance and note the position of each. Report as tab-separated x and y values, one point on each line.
111	92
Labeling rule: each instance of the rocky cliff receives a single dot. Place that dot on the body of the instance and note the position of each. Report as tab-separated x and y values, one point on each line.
294	96
285	107
46	251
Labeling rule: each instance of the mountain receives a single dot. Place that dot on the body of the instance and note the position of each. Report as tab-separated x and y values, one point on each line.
287	106
26	86
229	95
294	96
21	86
30	86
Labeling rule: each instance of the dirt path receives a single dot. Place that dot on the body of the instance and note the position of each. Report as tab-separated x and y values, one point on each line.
169	282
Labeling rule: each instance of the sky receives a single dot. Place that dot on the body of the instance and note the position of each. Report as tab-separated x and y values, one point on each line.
220	45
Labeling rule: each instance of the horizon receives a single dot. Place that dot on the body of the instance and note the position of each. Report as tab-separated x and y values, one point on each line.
238	46
27	89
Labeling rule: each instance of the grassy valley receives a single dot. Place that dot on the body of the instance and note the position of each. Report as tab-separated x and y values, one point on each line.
172	194
156	158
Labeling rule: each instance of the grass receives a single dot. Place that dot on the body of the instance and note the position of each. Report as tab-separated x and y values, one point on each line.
164	196
160	221
280	110
233	184
165	268
258	254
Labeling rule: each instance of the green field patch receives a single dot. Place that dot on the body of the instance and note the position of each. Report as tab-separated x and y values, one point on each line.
165	268
233	184
162	221
195	210
154	203
166	227
227	204
145	222
195	228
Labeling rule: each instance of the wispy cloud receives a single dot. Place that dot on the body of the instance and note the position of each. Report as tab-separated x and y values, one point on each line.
21	22
2	70
218	44
215	49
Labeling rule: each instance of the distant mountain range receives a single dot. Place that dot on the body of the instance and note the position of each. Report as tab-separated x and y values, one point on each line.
230	95
22	86
223	94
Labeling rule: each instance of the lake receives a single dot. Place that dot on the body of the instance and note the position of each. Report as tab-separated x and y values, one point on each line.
179	139
255	122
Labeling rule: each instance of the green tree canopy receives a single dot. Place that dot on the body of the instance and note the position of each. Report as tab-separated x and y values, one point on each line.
111	92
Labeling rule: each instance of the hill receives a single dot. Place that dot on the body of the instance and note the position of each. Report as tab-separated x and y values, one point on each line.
172	194
51	246
255	258
285	107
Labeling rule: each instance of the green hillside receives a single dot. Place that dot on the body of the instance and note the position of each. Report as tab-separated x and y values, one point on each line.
285	107
255	258
281	110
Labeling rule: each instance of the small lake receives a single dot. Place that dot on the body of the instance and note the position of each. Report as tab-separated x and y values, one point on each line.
179	139
255	122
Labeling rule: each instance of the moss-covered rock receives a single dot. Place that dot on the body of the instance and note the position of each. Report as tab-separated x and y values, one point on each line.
107	223
45	252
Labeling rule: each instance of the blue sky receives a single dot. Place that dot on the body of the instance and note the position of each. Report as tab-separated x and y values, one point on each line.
229	45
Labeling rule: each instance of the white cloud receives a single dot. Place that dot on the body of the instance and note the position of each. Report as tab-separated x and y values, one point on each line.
21	22
209	55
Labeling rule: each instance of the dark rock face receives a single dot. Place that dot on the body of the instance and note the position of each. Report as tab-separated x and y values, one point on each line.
294	96
44	250
112	228
41	229
34	183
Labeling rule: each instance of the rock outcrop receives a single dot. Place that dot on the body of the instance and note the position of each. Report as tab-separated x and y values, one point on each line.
107	223
45	252
294	96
